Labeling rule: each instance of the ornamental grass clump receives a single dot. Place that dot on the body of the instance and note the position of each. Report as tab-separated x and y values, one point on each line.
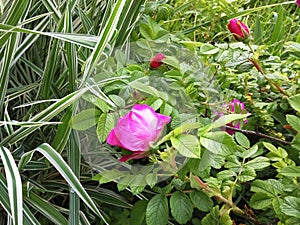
137	130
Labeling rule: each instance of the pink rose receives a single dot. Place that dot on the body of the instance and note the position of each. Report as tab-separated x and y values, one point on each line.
136	131
239	30
298	3
236	103
235	106
156	61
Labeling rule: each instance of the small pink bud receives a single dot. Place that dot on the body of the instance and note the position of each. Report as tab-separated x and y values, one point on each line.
298	3
239	30
235	106
156	61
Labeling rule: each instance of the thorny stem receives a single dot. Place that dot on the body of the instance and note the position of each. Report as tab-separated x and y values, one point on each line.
251	48
234	208
218	196
256	133
256	64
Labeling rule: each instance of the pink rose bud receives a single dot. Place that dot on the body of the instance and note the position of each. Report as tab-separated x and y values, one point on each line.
156	61
239	30
298	3
136	131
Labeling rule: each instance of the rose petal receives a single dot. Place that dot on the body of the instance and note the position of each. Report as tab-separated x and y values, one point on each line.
135	155
112	139
239	30
156	61
136	130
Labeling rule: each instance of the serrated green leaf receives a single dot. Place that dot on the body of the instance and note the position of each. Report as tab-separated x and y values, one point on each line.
151	179
208	49
296	142
294	121
270	147
151	30
291	206
136	182
250	152
181	207
105	124
98	102
242	139
295	102
157	212
264	187
290	171
166	109
185	127
187	145
226	174
218	143
233	162
247	174
172	61
275	154
223	120
259	162
110	175
276	204
157	104
85	119
260	201
138	212
201	200
117	100
136	84
214	218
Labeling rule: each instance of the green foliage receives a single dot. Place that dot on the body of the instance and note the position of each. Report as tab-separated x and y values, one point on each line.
215	218
186	145
181	207
69	71
44	50
157	211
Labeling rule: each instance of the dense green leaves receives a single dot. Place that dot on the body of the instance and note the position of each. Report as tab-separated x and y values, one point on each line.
85	119
223	120
105	124
218	143
291	171
214	218
295	102
50	49
138	212
294	121
291	206
157	212
187	145
181	207
201	201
